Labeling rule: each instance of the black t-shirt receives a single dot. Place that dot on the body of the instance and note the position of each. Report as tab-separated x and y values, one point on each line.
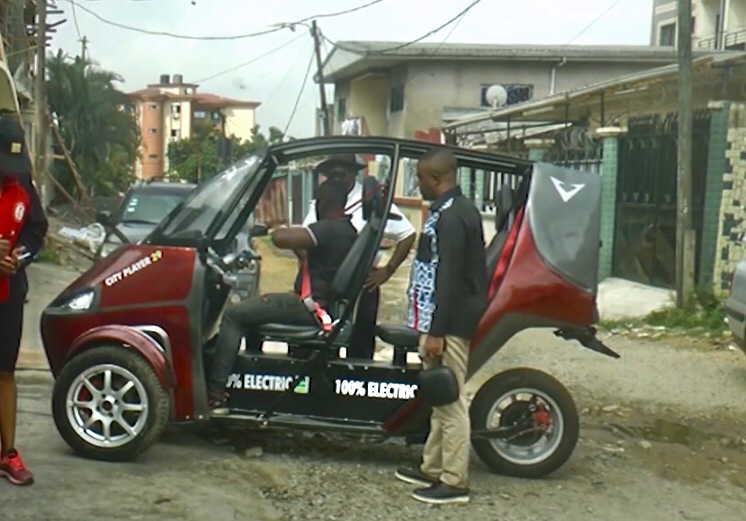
333	239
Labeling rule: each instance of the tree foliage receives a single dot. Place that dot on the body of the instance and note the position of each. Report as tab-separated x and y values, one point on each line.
97	124
207	151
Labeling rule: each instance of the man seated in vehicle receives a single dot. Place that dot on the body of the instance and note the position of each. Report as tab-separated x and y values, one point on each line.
345	168
326	243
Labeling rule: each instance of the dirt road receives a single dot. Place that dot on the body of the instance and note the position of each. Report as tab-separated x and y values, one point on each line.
663	438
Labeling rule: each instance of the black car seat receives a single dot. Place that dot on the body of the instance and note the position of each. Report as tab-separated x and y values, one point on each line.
504	217
347	283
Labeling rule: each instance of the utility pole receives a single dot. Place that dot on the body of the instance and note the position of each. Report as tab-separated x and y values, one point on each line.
84	47
685	235
40	99
320	73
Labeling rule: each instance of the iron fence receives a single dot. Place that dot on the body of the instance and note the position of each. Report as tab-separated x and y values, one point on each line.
646	199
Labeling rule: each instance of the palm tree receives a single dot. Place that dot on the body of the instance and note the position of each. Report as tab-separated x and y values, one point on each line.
96	121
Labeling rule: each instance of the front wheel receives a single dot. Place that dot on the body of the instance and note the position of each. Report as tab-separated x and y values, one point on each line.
108	404
539	420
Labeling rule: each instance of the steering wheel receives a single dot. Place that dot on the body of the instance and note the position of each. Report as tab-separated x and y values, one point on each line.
216	262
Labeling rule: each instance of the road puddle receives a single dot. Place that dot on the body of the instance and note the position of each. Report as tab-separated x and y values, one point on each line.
673	432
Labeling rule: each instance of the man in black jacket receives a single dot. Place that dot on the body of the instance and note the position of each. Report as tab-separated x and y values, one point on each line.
447	297
326	242
23	227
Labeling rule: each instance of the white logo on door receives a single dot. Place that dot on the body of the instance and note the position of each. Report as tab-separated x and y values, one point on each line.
564	193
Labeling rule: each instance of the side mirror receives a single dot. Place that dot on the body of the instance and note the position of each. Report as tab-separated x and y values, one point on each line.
103	218
203	243
259	230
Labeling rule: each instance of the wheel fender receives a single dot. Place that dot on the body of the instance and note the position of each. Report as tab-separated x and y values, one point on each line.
133	338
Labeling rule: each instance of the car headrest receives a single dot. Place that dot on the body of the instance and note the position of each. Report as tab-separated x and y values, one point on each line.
505	201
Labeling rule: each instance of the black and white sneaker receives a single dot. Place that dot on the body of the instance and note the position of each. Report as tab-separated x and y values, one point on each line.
415	476
217	403
442	494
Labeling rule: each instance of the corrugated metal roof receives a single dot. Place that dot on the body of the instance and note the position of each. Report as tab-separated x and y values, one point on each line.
548	52
627	81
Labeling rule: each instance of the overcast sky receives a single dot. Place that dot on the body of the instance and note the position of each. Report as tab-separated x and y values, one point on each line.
276	80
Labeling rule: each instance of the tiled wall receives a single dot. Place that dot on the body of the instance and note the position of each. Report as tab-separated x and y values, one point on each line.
731	224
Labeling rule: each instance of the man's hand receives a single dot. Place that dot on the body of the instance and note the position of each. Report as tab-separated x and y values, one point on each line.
10	264
378	277
4	248
432	347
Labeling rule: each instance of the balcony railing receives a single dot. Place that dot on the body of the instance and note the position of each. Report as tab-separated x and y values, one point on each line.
728	40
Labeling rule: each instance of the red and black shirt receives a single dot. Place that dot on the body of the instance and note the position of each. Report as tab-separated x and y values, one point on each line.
22	223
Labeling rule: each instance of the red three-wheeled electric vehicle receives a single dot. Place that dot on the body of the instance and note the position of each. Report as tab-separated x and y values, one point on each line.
129	342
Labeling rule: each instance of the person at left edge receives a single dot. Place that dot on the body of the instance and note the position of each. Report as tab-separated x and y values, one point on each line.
23	227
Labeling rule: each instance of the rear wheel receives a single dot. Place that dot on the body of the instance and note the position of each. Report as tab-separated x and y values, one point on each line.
108	404
541	414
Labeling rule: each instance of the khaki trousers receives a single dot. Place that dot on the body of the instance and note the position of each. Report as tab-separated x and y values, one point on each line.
446	452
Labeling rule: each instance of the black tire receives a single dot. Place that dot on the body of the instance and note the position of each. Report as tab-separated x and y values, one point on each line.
157	415
502	384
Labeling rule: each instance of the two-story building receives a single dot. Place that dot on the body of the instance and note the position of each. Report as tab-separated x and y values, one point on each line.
171	110
716	24
380	89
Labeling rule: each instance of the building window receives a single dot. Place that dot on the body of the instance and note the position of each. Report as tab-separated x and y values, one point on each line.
152	131
341	109
200	114
215	115
153	106
176	110
152	156
396	99
517	93
667	35
175	134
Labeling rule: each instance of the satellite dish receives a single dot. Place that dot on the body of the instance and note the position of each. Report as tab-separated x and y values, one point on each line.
496	96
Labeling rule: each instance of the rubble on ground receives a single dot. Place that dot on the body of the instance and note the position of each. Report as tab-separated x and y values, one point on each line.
70	243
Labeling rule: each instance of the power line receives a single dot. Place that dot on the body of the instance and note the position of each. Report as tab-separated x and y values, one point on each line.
442	43
300	93
595	20
244	64
284	79
215	38
75	21
407	44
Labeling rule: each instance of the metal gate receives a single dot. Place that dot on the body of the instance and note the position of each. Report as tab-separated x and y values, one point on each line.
645	234
578	148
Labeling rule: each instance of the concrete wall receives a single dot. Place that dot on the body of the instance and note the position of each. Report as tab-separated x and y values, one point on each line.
239	121
153	150
736	18
368	98
705	14
664	12
430	85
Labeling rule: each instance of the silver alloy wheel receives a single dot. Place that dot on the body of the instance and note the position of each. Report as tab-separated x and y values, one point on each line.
538	451
115	410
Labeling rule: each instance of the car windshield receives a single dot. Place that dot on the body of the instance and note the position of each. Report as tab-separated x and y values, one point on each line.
207	202
150	208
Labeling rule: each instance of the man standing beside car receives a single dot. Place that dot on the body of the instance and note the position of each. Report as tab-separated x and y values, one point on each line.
345	167
447	298
23	227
